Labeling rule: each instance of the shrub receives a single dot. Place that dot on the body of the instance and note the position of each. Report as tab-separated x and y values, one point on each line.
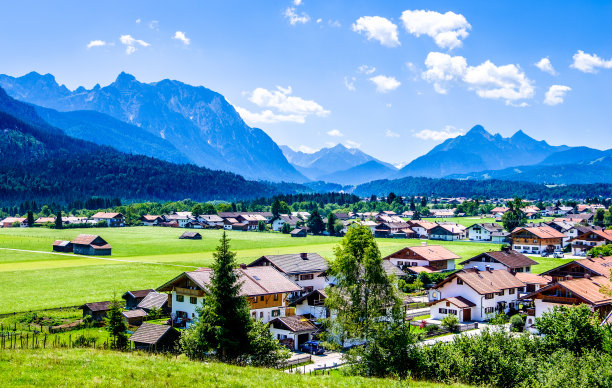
451	323
517	323
499	319
431	328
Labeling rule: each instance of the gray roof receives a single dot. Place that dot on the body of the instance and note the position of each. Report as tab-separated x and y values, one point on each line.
153	300
138	313
392	269
149	333
294	263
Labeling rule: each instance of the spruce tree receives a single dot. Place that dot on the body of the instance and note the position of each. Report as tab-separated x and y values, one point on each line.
315	223
30	219
331	220
116	325
58	220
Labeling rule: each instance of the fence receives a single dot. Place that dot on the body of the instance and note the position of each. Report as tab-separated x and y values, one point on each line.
4	315
294	361
37	340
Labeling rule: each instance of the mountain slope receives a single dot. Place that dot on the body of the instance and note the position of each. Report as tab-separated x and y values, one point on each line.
366	172
479	150
198	122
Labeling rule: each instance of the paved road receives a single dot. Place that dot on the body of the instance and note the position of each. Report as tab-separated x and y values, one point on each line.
327	359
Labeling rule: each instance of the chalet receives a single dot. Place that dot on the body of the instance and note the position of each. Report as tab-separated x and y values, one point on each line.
62	246
265	287
132	298
96	310
448	232
278	223
596	266
251	220
45	220
74	220
424	258
212	220
155	337
570	230
9	221
179	217
422	228
590	239
151	220
478	295
155	300
305	269
484	232
507	259
584	218
532	281
536	240
134	317
312	304
389	219
190	236
499	210
342	216
292	331
442	213
394	229
111	219
91	245
299	232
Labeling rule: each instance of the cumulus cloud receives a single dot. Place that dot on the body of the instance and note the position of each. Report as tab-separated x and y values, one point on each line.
131	43
138	21
268	117
154	25
349	83
446	133
555	94
96	43
294	18
351	144
378	28
390	133
589	63
448	29
335	133
505	82
180	35
545	65
297	2
385	84
365	69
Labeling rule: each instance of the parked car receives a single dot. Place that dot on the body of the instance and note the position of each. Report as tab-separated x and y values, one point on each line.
312	347
545	254
558	255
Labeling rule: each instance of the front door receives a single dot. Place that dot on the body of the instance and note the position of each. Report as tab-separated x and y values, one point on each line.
467	315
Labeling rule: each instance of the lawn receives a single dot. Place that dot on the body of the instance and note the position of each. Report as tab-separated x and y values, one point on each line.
99	368
147	257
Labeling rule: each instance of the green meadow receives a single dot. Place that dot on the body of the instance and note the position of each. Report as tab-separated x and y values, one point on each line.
146	257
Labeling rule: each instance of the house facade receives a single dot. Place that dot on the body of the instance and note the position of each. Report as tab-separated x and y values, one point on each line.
506	259
111	219
278	223
424	258
91	245
589	240
305	269
448	232
292	331
484	231
536	240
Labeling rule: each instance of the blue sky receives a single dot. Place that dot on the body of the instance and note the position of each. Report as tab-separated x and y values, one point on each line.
393	78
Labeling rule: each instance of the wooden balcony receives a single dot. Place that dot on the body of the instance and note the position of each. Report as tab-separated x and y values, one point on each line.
189	292
559	299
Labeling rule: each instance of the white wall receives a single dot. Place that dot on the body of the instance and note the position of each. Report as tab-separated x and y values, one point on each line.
480	235
316	311
483	266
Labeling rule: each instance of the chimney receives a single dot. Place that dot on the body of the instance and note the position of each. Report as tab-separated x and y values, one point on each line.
488	268
505	249
243	266
587	276
304	256
423	243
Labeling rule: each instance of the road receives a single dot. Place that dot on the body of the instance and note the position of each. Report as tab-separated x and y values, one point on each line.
327	359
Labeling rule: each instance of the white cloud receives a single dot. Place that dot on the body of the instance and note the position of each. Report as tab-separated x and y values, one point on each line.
96	43
297	2
334	23
448	29
390	133
378	28
319	20
505	82
589	63
294	18
138	21
154	25
385	84
365	69
349	83
307	150
446	133
351	144
180	35
555	94
131	43
545	65
335	133
268	117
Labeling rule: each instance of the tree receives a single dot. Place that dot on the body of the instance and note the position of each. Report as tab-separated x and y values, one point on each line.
261	225
331	220
373	198
315	223
208	208
30	219
391	197
575	328
116	325
416	215
224	318
423	201
286	228
265	350
197	210
598	219
279	207
514	217
58	220
603	250
450	323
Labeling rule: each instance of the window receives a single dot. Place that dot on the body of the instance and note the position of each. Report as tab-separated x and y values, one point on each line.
180	298
254	299
275	313
193	300
254	315
442	310
451	311
307	277
261	314
511	291
261	298
275	297
459	281
489	310
489	296
501	293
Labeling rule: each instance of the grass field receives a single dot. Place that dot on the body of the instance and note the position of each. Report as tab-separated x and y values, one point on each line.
98	368
146	257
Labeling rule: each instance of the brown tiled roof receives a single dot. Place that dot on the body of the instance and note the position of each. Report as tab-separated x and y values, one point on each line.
42	220
532	278
509	258
295	323
149	333
423	224
97	306
457	301
486	282
418	269
434	252
136	313
589	289
542	232
85	239
150	217
106	215
489	226
599	265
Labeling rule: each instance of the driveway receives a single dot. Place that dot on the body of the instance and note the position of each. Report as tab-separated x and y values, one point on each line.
327	359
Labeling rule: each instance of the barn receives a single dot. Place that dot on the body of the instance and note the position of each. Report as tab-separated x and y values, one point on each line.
62	246
191	236
91	245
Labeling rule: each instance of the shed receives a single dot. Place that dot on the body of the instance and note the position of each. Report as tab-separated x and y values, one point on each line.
62	246
132	298
134	317
292	331
191	236
155	337
155	300
298	232
97	310
89	244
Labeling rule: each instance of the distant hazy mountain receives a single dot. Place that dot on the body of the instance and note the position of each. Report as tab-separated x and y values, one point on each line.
366	172
323	164
197	122
479	150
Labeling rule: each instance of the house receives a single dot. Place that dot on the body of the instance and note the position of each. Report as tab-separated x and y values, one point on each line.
134	317
9	221
507	259
265	288
292	331
448	232
298	232
484	231
570	230
596	266
583	218
190	236
45	220
278	223
62	246
212	220
155	300
132	298
155	337
479	294
311	304
590	239
394	229
342	216
390	219
305	269
151	220
251	220
111	219
442	213
91	245
536	240
96	310
181	218
422	228
74	220
501	210
424	258
532	281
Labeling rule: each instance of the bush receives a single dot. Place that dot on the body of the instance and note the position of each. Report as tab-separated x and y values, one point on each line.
499	319
431	328
517	323
451	323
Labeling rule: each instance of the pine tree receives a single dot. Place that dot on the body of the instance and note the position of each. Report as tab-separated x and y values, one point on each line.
315	223
116	325
30	219
58	220
331	220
